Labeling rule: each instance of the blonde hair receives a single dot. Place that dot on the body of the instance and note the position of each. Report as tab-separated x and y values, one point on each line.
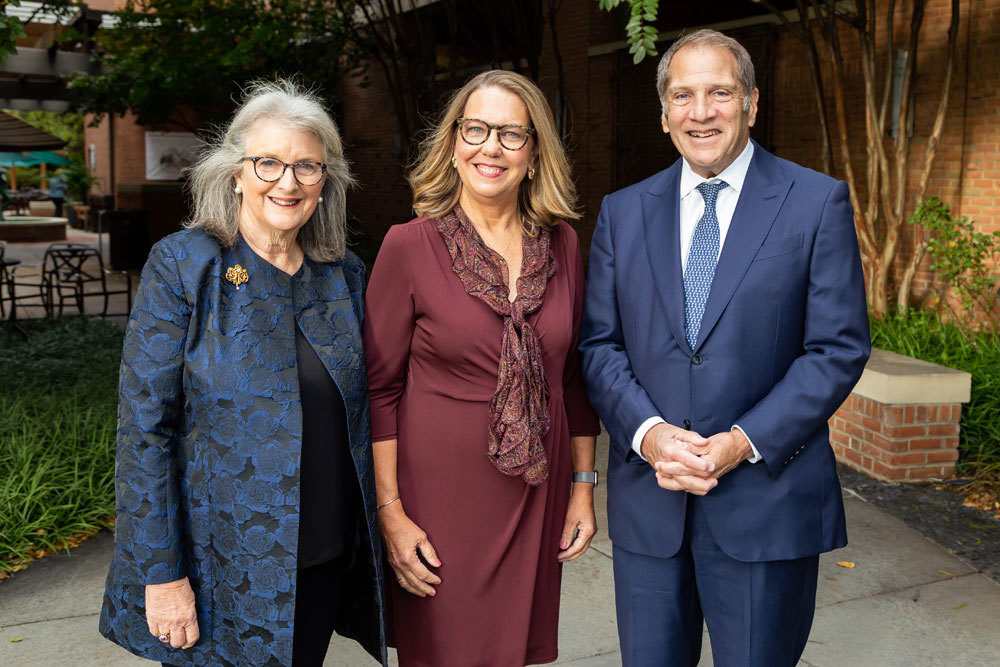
542	201
216	206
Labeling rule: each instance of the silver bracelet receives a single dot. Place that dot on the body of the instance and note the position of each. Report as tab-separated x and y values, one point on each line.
388	502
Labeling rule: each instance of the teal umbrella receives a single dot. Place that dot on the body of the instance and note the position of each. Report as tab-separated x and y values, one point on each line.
30	158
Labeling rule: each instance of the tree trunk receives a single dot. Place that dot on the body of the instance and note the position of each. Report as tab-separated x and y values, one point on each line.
919	240
876	287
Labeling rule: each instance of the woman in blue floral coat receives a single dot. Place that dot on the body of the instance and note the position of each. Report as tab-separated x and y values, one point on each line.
245	530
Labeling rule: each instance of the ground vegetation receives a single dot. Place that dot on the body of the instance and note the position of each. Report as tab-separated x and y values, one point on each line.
57	429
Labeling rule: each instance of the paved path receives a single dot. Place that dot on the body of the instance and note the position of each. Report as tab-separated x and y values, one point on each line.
907	602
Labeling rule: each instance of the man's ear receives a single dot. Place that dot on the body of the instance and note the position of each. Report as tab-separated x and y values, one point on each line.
752	112
663	123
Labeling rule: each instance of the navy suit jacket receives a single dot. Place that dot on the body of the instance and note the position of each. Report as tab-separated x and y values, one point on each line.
209	443
783	340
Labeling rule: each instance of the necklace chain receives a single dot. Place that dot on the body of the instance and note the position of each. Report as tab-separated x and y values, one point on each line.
510	239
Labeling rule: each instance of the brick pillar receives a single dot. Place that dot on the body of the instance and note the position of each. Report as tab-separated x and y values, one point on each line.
901	422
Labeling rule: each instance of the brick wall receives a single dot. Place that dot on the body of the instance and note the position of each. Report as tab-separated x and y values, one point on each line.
568	53
372	145
129	146
98	137
898	443
901	422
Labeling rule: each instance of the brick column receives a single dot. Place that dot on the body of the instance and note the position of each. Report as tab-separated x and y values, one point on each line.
901	422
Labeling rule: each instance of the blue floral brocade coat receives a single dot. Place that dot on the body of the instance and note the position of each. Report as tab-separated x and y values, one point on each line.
209	443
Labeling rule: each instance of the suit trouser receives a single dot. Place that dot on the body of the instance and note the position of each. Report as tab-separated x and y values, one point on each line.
757	613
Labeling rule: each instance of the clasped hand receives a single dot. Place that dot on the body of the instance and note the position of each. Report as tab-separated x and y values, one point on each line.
686	461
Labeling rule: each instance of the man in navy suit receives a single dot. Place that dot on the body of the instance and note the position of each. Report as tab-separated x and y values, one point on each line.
725	322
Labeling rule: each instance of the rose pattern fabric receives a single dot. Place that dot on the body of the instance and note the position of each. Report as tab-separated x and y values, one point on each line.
208	444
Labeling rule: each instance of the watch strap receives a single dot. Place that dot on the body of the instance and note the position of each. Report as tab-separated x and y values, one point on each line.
585	476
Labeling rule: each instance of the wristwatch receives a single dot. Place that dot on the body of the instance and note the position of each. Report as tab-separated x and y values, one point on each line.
585	476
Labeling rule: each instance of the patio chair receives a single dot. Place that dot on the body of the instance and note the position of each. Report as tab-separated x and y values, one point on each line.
7	291
5	298
75	272
69	274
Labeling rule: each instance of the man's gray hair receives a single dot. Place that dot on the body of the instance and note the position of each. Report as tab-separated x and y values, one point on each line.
216	204
705	37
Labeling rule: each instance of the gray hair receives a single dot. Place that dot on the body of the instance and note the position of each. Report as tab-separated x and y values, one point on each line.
216	205
711	38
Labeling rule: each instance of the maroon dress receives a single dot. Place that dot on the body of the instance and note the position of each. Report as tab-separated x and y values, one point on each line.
433	352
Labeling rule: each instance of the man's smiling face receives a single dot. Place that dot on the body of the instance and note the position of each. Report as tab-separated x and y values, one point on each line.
704	101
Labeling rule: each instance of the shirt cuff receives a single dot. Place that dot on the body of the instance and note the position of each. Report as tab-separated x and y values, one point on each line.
756	455
641	432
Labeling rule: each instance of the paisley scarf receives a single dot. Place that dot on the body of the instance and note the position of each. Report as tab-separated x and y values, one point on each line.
519	408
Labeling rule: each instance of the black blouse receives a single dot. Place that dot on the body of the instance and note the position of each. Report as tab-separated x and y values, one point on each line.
329	491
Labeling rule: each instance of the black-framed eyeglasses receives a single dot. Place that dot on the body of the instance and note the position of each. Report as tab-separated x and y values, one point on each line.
271	169
512	136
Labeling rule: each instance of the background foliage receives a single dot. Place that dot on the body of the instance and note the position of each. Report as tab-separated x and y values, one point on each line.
68	126
182	60
960	255
640	35
10	30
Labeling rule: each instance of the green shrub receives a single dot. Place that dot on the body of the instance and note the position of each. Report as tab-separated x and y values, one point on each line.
961	256
922	334
57	430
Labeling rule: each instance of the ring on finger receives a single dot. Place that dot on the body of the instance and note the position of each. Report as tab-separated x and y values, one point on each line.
163	636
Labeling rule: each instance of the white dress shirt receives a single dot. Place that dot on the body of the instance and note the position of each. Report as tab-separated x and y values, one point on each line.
691	209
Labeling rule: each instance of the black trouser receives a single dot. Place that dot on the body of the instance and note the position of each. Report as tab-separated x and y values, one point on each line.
319	593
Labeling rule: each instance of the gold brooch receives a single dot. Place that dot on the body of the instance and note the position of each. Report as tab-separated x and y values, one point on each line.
237	275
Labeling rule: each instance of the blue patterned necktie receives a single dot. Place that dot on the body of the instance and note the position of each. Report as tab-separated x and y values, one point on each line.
702	258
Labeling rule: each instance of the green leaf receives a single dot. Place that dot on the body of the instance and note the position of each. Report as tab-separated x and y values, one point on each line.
961	606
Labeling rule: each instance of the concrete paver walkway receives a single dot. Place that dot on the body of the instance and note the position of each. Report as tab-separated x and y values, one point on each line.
906	602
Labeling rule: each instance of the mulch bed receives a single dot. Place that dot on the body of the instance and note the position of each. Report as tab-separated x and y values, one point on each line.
939	512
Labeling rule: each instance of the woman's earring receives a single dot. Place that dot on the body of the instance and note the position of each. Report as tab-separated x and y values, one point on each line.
321	199
454	162
237	189
531	173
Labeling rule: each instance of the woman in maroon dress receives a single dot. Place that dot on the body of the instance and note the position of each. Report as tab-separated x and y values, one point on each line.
479	415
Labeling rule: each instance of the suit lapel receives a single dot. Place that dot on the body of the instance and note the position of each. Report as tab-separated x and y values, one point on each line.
661	217
763	194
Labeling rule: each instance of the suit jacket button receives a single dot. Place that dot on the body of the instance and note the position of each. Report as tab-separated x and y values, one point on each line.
687	423
696	360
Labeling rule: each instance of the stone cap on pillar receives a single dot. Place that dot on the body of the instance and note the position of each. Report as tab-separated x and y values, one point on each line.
897	379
